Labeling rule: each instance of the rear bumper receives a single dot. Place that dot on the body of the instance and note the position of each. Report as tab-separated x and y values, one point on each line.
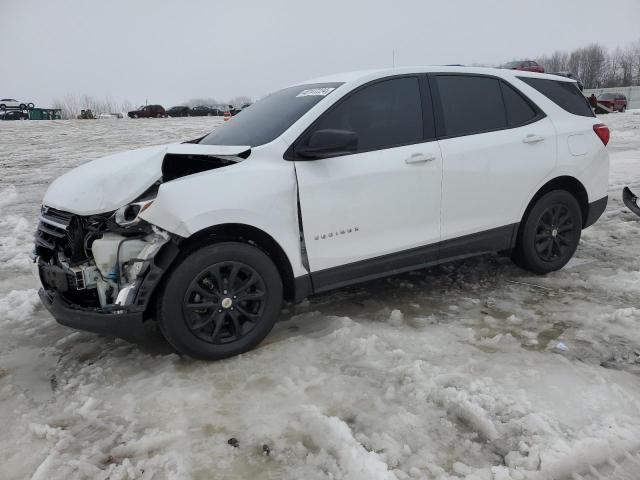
595	211
123	324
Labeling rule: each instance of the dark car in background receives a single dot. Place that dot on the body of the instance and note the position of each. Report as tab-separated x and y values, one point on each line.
13	115
572	76
148	111
524	65
614	100
179	111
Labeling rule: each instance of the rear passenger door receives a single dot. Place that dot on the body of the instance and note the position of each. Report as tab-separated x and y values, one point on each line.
497	147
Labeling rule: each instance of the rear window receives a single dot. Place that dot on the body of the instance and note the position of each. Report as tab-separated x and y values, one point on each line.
470	104
564	94
519	110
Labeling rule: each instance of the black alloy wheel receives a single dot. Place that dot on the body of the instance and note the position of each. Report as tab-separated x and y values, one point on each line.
554	233
220	300
224	302
549	234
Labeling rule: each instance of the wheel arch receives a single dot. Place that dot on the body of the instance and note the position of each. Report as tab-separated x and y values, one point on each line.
239	232
567	183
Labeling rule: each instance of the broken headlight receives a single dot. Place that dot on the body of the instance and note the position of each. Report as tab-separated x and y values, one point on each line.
129	214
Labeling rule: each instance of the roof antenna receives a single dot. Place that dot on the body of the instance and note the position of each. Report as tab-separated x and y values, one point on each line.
393	58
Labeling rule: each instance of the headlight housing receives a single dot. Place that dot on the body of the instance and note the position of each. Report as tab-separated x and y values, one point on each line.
129	214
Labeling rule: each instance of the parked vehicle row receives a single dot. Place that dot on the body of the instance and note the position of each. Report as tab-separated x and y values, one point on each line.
158	111
197	111
323	184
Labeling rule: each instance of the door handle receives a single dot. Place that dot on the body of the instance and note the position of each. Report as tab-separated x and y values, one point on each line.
420	158
531	138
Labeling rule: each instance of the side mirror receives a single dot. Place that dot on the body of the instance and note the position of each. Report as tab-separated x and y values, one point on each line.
328	143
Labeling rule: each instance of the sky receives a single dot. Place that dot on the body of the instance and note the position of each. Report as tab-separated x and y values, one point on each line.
169	51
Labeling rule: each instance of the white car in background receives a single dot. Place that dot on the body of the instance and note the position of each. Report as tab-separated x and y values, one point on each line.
10	103
111	115
320	185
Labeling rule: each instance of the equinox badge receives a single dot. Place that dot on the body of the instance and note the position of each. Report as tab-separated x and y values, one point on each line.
338	233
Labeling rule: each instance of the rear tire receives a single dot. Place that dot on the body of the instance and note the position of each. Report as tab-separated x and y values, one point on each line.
240	291
550	233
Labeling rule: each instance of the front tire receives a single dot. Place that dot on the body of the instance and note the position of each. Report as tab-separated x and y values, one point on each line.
550	233
220	301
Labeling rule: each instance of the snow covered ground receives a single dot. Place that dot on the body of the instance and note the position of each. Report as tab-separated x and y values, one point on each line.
474	370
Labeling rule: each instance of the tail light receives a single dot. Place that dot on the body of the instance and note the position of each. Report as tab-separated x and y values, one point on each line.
603	132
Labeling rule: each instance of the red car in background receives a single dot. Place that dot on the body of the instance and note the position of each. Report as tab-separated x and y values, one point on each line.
613	100
148	111
525	65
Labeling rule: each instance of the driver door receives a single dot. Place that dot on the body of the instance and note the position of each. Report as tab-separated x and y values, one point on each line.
376	210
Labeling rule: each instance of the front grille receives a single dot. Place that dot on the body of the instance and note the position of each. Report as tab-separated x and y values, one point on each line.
53	229
60	231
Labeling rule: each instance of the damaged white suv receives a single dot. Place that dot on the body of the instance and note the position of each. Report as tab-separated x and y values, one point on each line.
320	185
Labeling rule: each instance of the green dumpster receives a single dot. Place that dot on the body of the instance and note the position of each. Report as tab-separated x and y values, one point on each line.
45	114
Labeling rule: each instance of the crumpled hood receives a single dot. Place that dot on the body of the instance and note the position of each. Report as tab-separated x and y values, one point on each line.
108	183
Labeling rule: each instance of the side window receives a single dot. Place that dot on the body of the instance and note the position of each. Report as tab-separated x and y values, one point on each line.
564	94
519	110
470	104
383	115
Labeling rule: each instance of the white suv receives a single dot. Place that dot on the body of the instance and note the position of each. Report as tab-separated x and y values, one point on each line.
323	184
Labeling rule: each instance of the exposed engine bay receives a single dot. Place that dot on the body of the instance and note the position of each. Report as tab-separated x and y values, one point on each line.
92	261
100	261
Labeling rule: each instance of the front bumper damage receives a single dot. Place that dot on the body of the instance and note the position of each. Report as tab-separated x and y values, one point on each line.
125	323
85	293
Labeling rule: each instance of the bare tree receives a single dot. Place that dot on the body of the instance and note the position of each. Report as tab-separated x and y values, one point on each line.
68	105
127	106
71	105
194	102
596	66
628	59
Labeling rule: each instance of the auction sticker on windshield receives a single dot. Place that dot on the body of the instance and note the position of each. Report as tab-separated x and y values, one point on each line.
316	92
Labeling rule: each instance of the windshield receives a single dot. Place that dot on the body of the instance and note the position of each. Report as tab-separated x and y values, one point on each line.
268	118
607	96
